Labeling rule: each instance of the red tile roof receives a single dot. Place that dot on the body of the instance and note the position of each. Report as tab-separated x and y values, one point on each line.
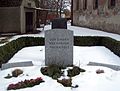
10	3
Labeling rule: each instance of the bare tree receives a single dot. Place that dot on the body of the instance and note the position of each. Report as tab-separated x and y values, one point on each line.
55	5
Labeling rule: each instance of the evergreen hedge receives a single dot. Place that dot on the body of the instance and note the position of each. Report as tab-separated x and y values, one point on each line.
108	42
87	41
8	50
112	44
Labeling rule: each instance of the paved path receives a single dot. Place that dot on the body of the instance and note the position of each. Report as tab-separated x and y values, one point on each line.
114	67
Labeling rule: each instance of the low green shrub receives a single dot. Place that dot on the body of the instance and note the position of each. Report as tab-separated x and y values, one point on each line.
44	70
75	71
52	71
34	41
87	41
112	44
65	82
1	55
15	73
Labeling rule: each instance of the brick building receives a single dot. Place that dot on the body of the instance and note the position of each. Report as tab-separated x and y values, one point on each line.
18	16
97	14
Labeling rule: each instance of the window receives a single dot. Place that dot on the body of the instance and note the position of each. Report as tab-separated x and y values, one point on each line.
84	4
95	4
112	3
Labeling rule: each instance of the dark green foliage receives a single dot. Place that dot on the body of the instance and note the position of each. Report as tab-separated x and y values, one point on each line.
8	50
52	71
75	71
44	70
112	44
1	55
65	82
56	75
34	41
87	41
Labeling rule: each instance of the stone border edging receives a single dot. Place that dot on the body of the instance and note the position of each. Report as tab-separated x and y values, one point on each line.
16	64
114	67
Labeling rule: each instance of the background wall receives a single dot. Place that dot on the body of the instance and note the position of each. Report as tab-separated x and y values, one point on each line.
103	18
9	19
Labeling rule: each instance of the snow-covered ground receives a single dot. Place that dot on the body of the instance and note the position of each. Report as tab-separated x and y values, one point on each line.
78	31
82	55
87	81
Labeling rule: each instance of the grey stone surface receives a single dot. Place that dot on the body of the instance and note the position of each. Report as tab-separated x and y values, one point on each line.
114	67
59	47
17	64
60	23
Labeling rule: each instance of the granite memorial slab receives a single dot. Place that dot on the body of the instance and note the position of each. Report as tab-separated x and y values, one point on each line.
59	47
60	23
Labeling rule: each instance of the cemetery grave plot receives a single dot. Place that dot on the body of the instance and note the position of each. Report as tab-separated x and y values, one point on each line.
68	80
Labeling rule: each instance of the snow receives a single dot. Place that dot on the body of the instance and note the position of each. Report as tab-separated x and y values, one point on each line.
82	55
78	31
36	55
87	81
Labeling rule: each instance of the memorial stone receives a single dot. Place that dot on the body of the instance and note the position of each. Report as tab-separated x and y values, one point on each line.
60	23
59	47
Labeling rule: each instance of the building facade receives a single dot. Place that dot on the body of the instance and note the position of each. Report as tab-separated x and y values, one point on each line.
97	14
17	16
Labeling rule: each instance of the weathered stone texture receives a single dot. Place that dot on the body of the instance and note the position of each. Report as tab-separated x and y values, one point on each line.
103	18
59	47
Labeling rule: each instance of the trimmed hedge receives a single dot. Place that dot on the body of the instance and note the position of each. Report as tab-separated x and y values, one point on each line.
87	41
108	42
8	50
112	44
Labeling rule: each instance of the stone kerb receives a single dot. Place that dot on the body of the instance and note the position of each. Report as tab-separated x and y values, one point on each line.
16	64
114	67
59	47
